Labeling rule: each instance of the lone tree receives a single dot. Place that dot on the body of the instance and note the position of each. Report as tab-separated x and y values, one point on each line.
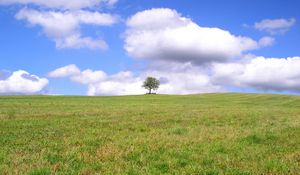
151	83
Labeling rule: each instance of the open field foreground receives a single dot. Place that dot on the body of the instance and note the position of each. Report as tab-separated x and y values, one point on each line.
150	134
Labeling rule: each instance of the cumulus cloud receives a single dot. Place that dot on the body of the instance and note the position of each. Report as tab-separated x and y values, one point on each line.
191	81
183	79
61	4
277	74
266	41
72	71
21	82
89	76
264	74
172	82
61	20
164	34
77	42
65	71
275	26
64	27
98	82
121	83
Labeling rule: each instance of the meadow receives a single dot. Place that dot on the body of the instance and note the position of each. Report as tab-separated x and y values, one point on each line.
208	134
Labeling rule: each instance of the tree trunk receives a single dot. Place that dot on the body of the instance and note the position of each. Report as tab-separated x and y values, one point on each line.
149	91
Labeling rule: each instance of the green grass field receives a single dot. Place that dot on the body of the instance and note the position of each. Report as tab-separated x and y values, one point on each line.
150	134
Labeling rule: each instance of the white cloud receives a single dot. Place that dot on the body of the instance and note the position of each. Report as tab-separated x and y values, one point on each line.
122	83
21	82
275	26
183	79
184	82
65	71
61	4
77	42
263	74
164	34
277	74
188	82
64	27
266	41
89	76
273	74
98	82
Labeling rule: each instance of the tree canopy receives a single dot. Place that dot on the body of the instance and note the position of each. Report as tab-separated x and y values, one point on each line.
151	83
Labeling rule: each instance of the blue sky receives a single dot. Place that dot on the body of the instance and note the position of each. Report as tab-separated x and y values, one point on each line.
31	45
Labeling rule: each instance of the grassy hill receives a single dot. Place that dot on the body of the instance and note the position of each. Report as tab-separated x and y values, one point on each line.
150	134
